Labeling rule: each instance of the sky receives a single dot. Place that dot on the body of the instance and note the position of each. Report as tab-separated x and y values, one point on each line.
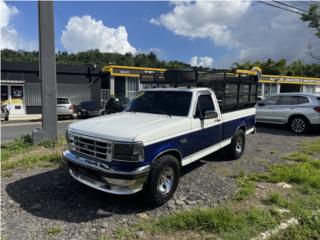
202	33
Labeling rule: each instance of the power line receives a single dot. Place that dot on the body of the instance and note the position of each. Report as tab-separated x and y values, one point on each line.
62	19
285	9
285	4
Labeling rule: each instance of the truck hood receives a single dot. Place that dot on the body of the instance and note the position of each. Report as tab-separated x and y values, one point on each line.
131	127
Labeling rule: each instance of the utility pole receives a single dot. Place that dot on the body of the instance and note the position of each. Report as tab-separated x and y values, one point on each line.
47	73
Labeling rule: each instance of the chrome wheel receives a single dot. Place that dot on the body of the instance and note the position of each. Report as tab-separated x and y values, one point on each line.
239	144
298	125
166	180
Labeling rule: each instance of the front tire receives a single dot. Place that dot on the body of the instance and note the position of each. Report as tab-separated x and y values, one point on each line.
236	148
163	180
299	124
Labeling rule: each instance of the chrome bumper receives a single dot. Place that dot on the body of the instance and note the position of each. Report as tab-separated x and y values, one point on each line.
104	178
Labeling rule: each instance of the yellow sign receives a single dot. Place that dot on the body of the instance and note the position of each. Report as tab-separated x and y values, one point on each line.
289	80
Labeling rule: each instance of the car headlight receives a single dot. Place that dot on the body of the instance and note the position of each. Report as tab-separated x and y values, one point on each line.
131	152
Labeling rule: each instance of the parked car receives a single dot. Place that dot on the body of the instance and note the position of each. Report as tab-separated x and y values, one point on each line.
160	131
300	111
4	112
89	109
65	108
114	105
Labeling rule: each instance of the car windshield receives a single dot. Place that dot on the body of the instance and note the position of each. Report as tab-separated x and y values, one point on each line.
63	101
161	102
90	104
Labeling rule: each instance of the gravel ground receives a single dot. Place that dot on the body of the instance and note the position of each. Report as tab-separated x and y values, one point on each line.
36	201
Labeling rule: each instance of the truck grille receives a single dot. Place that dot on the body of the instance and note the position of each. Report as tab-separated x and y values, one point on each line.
90	146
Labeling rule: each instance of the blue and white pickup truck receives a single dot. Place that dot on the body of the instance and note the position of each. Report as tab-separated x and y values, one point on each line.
144	147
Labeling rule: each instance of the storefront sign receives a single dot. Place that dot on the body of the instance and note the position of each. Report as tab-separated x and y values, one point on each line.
131	71
128	71
289	79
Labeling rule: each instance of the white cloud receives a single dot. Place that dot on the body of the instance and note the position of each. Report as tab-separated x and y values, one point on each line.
85	33
206	62
10	38
247	29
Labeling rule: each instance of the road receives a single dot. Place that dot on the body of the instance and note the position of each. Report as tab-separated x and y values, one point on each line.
10	131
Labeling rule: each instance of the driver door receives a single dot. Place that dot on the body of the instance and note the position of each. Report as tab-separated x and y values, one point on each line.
206	132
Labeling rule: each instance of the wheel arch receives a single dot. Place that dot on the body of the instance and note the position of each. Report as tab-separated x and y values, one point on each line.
298	115
174	152
242	126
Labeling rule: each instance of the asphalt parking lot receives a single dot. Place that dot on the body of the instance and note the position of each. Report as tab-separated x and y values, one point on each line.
34	200
13	129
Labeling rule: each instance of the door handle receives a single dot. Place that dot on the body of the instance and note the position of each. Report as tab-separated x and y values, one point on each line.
291	108
217	120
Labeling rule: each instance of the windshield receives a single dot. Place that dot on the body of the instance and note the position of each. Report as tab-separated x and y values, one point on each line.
63	101
161	102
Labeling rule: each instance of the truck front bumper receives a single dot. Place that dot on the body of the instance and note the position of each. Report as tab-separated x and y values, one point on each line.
103	178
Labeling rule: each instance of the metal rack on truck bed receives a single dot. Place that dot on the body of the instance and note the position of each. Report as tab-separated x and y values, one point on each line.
234	91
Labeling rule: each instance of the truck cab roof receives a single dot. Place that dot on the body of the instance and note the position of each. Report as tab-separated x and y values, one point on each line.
178	89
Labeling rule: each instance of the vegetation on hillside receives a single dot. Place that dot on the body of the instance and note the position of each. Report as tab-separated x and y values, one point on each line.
95	57
281	67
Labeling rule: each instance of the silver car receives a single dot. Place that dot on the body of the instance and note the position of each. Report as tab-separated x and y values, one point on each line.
65	107
300	111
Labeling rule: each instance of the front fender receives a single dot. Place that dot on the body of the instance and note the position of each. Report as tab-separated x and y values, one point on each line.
152	151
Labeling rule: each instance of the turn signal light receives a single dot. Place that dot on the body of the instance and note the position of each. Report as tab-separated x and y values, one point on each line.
317	109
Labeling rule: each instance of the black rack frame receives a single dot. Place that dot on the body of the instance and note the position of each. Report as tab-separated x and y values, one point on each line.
234	91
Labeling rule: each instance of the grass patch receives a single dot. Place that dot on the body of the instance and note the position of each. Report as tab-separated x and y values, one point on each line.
21	154
103	237
35	160
308	228
223	222
246	187
275	198
298	157
311	147
54	230
17	146
306	174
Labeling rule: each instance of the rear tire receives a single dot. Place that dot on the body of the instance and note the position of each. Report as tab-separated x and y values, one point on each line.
6	118
236	148
299	124
163	180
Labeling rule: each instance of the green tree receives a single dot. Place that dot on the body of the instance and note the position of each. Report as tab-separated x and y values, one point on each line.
94	57
313	17
281	67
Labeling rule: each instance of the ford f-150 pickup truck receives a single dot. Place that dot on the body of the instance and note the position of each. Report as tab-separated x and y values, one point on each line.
160	131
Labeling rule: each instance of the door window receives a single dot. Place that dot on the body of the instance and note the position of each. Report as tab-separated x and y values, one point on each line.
270	89
302	100
293	100
4	94
271	100
132	87
205	103
17	96
287	100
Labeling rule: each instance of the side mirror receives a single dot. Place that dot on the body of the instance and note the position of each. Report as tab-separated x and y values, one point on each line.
260	104
209	114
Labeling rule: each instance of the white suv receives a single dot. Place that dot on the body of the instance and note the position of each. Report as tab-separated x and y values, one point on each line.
65	107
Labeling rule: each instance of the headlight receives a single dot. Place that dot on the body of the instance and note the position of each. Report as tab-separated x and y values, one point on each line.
132	152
